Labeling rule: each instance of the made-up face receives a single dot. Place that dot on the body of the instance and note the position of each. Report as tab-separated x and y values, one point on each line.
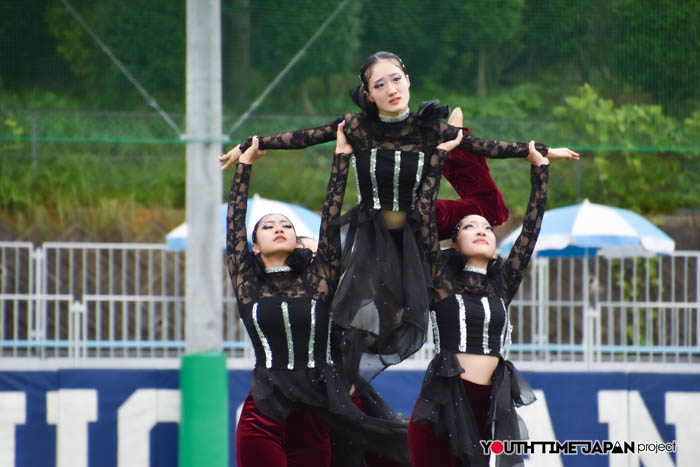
388	87
475	238
274	234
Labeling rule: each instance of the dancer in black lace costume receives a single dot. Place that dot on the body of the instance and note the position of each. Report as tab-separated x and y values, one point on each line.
284	294
470	390
385	283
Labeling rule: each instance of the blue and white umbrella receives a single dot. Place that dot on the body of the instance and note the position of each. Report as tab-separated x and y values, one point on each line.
588	229
306	222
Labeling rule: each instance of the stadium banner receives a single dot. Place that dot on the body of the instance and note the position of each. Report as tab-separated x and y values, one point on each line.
129	417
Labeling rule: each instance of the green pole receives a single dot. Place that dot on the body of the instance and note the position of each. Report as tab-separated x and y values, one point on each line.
203	431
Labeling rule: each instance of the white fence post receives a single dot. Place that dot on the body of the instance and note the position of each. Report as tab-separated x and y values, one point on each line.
77	331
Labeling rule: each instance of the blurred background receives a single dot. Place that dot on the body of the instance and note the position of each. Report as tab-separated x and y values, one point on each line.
84	156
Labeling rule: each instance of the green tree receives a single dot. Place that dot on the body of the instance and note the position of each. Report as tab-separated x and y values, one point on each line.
635	178
147	36
655	46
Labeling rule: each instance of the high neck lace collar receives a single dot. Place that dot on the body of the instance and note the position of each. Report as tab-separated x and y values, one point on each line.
398	118
475	269
277	269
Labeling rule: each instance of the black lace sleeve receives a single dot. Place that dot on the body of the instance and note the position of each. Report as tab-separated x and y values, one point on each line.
513	268
425	206
298	139
325	270
238	257
487	147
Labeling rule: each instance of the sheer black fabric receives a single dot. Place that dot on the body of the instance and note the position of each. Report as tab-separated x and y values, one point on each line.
292	365
385	283
442	401
421	131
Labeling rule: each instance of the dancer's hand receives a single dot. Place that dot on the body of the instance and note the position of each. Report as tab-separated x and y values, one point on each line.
252	153
450	145
341	142
562	153
230	157
535	157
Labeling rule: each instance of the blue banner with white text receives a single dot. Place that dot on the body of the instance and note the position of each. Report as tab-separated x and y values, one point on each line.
128	418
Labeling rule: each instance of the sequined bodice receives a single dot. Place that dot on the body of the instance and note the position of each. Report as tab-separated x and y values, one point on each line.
288	333
471	323
389	179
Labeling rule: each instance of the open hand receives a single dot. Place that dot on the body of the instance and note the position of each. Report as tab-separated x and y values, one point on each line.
230	157
562	153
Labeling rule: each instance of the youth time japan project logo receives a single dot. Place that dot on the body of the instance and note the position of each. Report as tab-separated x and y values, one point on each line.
574	447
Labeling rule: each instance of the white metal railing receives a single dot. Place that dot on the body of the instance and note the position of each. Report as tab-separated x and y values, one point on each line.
106	300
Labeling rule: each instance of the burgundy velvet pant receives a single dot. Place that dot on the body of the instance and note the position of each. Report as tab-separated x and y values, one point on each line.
302	441
429	451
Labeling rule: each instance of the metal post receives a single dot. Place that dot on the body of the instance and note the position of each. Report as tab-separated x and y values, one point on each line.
203	431
204	284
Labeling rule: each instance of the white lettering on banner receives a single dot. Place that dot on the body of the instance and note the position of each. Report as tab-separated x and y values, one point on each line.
71	410
628	419
136	418
680	408
539	427
13	412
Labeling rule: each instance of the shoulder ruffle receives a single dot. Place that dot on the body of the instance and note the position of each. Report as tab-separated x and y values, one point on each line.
431	111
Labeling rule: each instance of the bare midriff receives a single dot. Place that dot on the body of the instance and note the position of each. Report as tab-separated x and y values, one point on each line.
477	368
394	219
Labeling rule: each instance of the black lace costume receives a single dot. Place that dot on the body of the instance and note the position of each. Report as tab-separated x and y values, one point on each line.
470	315
385	285
286	315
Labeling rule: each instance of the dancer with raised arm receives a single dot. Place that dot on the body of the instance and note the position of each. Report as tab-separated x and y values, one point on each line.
385	283
470	390
297	395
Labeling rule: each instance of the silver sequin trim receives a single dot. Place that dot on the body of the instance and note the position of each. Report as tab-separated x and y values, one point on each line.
312	332
357	179
436	330
373	177
505	334
397	170
263	339
328	344
398	118
278	269
419	173
288	333
487	321
462	324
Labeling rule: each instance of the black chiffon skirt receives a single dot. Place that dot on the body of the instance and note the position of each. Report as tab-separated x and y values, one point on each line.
382	295
381	430
443	403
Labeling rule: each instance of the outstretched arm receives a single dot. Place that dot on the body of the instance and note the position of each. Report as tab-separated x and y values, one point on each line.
297	139
490	148
511	273
237	254
425	205
328	255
